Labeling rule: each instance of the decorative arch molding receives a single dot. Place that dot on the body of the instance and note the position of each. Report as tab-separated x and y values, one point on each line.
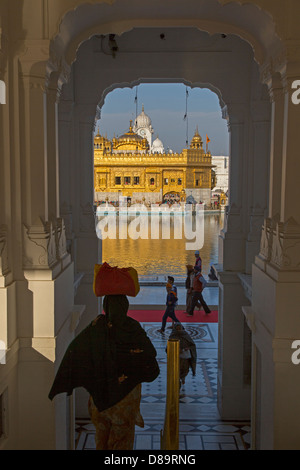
247	20
152	70
138	82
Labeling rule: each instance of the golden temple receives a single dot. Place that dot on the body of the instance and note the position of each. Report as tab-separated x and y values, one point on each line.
134	167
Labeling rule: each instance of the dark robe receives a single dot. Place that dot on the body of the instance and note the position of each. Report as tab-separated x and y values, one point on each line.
103	352
186	342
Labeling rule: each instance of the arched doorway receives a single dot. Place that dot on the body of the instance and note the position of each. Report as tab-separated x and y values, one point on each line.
242	157
172	197
33	247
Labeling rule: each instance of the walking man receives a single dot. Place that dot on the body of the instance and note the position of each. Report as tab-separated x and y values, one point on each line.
198	286
170	310
198	260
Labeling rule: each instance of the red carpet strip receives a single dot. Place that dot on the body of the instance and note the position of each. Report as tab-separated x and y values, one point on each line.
156	316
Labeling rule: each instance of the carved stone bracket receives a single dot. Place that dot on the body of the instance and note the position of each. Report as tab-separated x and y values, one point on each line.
39	246
285	253
33	58
266	240
284	62
57	67
61	241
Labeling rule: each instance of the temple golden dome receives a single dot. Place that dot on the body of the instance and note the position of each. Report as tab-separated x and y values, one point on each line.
196	141
101	143
130	141
130	136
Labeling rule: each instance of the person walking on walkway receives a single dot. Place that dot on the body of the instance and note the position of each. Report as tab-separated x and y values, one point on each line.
171	281
198	260
198	286
188	352
110	358
170	310
189	288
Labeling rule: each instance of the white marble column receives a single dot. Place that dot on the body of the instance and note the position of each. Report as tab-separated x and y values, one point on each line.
87	245
276	279
234	390
66	172
277	98
6	311
232	238
258	184
47	287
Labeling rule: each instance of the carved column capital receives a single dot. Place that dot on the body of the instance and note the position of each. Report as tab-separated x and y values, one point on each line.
61	242
283	63
285	254
39	246
266	240
234	113
33	58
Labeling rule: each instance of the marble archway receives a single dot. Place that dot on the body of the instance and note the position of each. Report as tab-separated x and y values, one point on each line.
226	66
36	269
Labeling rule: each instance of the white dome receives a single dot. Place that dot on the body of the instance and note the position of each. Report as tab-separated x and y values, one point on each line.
157	146
157	143
143	120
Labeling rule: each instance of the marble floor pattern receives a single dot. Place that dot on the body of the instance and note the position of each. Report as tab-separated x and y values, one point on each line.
200	426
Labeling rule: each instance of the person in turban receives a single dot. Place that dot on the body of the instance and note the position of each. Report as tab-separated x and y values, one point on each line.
110	358
170	310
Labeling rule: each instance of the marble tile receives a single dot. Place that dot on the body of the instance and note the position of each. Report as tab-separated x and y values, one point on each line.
200	425
156	295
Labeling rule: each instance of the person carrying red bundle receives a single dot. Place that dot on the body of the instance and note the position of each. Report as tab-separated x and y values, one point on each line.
110	358
198	285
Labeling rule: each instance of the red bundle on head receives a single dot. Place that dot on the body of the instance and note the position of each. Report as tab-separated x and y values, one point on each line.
109	280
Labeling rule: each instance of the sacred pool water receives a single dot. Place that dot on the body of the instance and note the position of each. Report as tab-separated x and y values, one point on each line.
155	258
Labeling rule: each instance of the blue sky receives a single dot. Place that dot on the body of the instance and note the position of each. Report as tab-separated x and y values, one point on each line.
165	104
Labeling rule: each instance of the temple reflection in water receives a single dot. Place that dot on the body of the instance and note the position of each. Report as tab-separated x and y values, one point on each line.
161	257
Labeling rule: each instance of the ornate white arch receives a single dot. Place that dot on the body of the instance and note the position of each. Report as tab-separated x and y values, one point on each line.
246	20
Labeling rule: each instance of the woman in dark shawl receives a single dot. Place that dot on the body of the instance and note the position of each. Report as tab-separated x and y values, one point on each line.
110	358
188	352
